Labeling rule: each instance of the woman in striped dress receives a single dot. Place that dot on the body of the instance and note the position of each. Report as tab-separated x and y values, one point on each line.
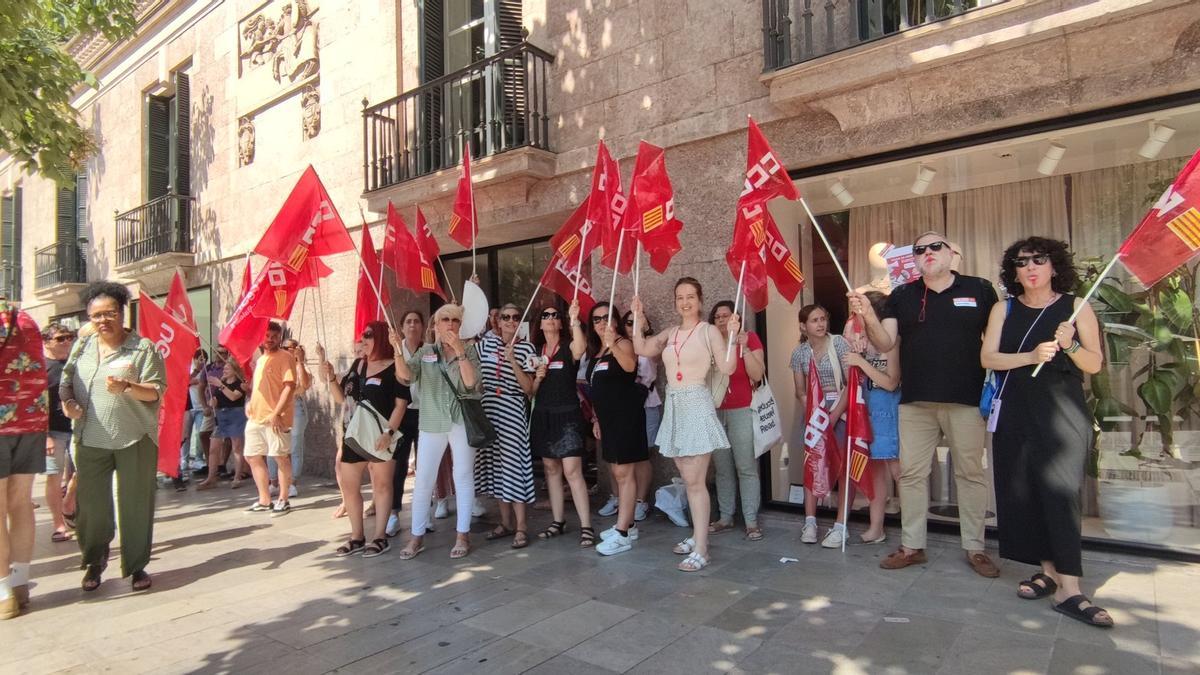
505	470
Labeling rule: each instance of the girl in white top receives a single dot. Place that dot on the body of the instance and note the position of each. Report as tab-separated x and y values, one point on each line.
690	430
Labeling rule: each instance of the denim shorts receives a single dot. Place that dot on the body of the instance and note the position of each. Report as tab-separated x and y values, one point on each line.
231	423
653	420
56	462
884	407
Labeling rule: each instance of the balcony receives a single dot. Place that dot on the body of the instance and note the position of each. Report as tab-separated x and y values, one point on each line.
10	281
155	236
496	106
833	25
59	269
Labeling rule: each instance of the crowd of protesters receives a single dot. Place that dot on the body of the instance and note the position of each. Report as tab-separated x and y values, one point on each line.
469	417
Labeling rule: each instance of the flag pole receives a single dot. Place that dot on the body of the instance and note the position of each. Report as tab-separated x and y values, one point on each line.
828	246
527	307
582	248
453	297
1086	297
741	277
382	310
637	280
846	488
612	293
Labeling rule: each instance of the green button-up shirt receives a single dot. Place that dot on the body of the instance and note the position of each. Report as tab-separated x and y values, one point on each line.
439	403
114	421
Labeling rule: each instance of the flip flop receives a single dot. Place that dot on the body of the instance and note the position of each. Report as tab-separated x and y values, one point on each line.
60	537
459	551
406	554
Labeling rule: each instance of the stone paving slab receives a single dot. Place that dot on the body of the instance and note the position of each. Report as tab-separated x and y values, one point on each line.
236	592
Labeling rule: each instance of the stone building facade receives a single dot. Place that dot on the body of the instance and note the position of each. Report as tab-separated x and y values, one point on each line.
863	93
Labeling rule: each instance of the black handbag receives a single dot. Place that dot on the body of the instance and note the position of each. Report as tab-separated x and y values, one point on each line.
480	432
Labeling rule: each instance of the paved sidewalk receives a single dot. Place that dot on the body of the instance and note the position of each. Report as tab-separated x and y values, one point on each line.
240	592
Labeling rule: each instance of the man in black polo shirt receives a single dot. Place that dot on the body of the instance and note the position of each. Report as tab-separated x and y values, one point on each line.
942	317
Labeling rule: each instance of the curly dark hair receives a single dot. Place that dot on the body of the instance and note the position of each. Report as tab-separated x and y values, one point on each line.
106	289
1065	278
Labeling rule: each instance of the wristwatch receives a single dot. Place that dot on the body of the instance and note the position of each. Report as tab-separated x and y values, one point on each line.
1073	348
391	433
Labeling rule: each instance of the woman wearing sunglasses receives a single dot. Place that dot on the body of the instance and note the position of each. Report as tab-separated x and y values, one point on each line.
620	418
1043	429
441	372
505	470
556	424
378	386
690	430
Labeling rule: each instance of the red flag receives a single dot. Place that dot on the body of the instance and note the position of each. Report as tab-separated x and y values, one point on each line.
756	237
307	225
765	176
414	270
564	269
281	287
425	240
464	227
606	208
821	448
396	239
177	302
176	342
1169	235
858	435
368	307
654	207
243	332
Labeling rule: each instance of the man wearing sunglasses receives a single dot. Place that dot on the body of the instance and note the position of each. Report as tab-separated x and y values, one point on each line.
941	320
57	341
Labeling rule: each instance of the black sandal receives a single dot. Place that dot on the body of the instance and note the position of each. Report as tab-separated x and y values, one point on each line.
556	528
141	581
520	539
91	580
1039	591
587	537
1071	607
350	548
376	547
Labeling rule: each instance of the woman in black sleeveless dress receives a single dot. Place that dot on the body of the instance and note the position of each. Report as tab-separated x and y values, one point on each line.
620	418
556	422
1043	429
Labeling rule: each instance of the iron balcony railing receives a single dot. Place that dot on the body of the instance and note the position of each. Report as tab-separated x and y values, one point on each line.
494	105
60	263
160	226
825	26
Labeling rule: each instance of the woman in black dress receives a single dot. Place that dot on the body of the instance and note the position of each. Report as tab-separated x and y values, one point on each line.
556	424
620	422
1042	426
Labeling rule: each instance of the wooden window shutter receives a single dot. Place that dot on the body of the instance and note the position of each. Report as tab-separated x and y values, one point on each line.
181	136
158	147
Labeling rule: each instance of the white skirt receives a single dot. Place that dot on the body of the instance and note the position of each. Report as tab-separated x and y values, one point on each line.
689	424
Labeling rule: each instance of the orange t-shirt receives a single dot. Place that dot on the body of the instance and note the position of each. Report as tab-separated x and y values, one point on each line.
271	372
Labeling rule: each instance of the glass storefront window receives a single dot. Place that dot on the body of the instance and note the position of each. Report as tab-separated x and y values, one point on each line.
1142	479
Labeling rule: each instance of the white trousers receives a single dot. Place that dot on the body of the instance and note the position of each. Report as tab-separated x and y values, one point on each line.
430	448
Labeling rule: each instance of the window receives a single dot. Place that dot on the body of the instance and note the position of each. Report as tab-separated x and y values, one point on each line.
167	141
10	245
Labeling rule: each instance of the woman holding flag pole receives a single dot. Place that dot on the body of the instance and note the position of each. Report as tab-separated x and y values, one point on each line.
690	430
1042	428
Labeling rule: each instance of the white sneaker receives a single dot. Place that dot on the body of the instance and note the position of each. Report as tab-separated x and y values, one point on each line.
834	539
292	491
609	508
612	532
442	509
641	511
197	465
809	534
614	545
478	509
393	525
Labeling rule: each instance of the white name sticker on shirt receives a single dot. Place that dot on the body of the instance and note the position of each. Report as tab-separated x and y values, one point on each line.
374	381
965	302
603	365
429	358
557	365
